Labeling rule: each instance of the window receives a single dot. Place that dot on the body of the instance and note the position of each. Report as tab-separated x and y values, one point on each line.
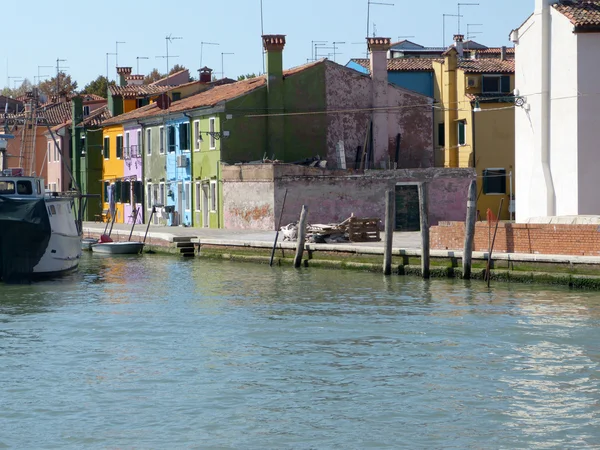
494	181
138	192
462	135
163	197
176	96
198	192
441	134
213	195
197	136
86	111
49	151
188	197
7	187
171	137
495	84
138	153
184	136
55	153
155	198
118	191
161	139
119	147
106	147
127	149
106	186
24	188
149	196
149	141
126	192
211	128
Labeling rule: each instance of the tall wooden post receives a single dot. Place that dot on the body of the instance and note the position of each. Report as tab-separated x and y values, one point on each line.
424	213
301	237
390	216
470	230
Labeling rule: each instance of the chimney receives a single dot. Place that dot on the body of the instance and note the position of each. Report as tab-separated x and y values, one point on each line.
503	53
378	47
458	44
123	72
273	45
205	74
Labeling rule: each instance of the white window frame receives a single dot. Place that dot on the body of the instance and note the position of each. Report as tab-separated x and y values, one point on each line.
197	141
139	144
187	192
161	139
213	196
55	153
162	193
198	199
211	128
149	141
149	196
122	147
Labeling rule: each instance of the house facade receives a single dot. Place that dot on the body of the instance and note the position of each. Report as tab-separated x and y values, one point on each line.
474	125
558	125
133	173
179	170
113	172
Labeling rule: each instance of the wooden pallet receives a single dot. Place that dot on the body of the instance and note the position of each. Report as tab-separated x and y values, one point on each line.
363	230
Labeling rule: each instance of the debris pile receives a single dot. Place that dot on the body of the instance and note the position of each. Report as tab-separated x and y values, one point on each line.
352	229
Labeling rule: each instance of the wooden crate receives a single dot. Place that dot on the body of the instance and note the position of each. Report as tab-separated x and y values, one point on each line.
363	230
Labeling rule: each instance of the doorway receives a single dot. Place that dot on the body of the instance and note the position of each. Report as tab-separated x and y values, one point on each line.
407	208
205	205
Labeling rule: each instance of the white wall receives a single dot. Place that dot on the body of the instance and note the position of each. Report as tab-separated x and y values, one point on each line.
564	117
589	123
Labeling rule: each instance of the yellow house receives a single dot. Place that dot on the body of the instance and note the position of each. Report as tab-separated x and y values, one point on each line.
475	121
113	170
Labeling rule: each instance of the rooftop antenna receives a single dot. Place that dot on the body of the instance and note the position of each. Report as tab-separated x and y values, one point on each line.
444	27
262	33
12	78
405	37
202	44
39	77
17	80
117	55
137	60
335	48
222	66
459	16
369	3
313	47
107	55
58	69
470	34
318	44
168	39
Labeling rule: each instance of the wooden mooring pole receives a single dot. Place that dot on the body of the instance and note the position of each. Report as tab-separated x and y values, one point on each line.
390	216
301	237
424	213
470	230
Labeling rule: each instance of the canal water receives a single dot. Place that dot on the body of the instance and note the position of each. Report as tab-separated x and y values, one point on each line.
158	352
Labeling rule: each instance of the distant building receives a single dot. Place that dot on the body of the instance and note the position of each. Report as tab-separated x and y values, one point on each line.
558	125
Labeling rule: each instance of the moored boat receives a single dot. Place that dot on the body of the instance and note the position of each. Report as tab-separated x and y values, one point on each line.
118	248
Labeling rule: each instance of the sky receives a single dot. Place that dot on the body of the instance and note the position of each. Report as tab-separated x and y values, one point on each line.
83	32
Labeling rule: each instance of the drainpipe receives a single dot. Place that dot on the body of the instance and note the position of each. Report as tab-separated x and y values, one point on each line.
543	7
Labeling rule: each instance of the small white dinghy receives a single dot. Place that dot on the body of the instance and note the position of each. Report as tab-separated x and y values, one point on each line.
118	248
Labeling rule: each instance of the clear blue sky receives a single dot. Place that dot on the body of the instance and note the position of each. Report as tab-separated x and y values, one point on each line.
82	32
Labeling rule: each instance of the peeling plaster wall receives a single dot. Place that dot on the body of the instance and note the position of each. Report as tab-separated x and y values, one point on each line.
414	121
253	195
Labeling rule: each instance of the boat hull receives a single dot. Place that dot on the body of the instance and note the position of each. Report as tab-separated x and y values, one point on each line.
118	248
86	243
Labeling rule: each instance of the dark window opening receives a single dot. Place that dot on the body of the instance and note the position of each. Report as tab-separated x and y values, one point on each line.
494	181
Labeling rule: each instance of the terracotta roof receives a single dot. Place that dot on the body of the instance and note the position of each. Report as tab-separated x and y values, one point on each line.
217	94
495	51
583	14
56	113
487	65
96	117
133	90
92	98
168	76
402	64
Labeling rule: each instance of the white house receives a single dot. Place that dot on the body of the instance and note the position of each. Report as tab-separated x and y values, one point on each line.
557	128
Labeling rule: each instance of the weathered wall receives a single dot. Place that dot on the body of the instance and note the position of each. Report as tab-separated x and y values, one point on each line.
253	194
410	115
547	239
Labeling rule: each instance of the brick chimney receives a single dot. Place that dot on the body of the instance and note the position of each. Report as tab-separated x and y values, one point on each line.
273	45
205	74
459	40
379	75
503	53
123	72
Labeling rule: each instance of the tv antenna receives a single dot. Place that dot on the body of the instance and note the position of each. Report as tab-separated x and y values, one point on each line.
202	44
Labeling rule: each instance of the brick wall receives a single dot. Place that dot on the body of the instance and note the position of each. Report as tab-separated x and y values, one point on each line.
548	239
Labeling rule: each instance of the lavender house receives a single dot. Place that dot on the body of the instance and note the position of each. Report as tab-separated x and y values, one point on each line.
132	156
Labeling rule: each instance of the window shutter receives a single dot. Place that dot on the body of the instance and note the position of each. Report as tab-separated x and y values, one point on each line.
461	133
118	191
441	134
106	148
505	84
126	196
137	192
119	146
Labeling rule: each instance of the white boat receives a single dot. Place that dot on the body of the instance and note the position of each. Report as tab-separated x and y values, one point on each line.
86	243
118	248
39	233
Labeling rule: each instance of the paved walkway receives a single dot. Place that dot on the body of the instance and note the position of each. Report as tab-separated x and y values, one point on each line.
401	240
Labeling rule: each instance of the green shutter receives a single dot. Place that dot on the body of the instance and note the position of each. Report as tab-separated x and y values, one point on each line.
106	148
441	134
137	192
118	191
505	84
119	147
461	133
106	184
176	96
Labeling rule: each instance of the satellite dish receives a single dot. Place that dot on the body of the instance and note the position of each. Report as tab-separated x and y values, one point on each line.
163	101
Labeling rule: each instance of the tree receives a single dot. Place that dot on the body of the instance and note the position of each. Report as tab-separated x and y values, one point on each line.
153	76
99	86
65	85
25	87
246	77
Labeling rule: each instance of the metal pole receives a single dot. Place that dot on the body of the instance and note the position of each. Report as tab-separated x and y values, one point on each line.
262	33
278	228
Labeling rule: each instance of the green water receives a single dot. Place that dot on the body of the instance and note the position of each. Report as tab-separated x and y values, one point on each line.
157	352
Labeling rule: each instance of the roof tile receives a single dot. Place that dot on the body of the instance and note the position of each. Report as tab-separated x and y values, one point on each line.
583	14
